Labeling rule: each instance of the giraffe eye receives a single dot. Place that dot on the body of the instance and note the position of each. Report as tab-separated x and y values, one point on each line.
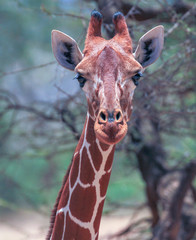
80	79
136	78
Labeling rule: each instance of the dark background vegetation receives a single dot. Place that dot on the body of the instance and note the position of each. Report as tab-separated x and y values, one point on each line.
42	110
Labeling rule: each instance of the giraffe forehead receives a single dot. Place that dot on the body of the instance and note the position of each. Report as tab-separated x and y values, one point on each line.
107	64
98	54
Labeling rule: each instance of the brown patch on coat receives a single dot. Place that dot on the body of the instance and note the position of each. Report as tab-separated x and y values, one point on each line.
82	203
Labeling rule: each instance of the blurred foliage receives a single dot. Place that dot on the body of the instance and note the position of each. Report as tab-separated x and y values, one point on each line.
36	146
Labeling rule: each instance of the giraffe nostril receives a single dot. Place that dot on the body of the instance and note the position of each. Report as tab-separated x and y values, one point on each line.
118	115
103	116
106	116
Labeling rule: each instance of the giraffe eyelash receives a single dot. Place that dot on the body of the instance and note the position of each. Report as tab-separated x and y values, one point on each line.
137	77
80	79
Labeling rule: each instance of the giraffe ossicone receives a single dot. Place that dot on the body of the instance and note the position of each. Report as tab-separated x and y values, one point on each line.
107	72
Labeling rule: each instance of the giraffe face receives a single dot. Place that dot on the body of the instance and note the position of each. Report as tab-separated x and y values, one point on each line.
109	88
108	71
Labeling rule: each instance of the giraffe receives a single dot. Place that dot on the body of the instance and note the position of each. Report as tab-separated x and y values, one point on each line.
108	72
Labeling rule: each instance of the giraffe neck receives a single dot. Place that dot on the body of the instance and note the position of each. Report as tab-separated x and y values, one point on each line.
81	202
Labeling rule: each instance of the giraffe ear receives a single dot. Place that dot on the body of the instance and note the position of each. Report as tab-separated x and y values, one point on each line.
66	50
150	46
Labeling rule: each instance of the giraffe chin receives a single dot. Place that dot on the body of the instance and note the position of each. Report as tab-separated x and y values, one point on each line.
110	133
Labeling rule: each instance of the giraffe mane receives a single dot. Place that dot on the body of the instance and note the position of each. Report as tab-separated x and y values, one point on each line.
54	210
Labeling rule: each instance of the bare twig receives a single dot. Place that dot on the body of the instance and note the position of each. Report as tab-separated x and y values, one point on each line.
3	74
180	21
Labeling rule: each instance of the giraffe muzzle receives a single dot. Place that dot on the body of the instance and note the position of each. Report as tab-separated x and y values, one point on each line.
110	126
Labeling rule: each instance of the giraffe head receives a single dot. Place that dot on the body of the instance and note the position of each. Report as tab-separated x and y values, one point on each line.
108	71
